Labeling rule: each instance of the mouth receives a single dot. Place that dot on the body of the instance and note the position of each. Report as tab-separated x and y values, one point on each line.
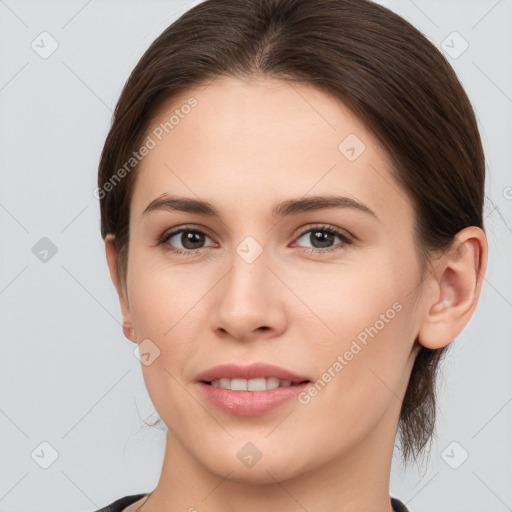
253	377
256	384
250	390
252	396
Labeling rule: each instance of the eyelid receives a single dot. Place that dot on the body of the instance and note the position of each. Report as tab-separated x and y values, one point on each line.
327	227
169	233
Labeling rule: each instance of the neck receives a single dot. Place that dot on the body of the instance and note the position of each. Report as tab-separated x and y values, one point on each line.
354	480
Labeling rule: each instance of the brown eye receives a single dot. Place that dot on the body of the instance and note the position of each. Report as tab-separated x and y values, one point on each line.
322	238
184	241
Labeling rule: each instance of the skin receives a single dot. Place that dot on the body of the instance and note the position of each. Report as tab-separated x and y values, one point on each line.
247	145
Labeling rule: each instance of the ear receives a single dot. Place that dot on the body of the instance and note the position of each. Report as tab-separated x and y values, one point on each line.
454	288
110	251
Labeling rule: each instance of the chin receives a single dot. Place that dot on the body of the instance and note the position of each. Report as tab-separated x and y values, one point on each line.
266	470
264	475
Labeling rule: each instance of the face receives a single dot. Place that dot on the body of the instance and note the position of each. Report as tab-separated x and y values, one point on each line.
326	291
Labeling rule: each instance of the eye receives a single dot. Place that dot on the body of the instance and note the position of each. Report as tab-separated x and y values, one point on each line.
322	236
191	239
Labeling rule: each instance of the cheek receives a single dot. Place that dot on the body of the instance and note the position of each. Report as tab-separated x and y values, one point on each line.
159	295
360	325
343	300
359	370
162	307
167	308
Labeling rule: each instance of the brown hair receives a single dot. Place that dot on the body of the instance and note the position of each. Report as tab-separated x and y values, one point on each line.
372	60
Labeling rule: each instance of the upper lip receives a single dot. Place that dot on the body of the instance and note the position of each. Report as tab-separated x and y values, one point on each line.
252	371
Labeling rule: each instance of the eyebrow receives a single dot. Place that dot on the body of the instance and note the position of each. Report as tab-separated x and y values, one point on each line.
283	209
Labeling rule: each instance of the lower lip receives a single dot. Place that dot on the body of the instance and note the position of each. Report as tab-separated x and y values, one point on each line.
250	403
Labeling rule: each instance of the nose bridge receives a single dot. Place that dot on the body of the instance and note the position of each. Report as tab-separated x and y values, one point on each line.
249	276
248	297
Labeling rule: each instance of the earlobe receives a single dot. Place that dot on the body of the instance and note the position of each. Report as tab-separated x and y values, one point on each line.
111	254
456	282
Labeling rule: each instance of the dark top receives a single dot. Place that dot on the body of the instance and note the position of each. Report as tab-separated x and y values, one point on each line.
122	503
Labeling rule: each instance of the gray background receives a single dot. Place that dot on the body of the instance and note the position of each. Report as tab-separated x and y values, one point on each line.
69	378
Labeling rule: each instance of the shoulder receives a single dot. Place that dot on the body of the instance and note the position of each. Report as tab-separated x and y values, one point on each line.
120	504
398	506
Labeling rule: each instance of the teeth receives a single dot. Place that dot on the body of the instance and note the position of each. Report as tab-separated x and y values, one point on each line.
260	384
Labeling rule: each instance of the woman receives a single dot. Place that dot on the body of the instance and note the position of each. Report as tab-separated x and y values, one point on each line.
291	199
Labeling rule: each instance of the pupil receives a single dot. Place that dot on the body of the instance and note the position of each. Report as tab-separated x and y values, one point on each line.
191	237
322	237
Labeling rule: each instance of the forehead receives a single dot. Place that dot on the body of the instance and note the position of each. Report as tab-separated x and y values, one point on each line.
254	142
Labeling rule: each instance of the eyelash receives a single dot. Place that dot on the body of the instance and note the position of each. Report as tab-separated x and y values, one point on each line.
325	228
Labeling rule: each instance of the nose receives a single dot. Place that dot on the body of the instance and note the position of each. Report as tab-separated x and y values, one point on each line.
249	301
